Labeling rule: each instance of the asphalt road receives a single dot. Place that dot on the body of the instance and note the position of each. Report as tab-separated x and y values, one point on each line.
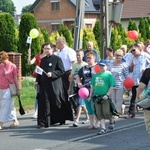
129	134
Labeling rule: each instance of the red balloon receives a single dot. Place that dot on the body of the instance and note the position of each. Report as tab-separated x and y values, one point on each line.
128	83
83	92
97	68
133	34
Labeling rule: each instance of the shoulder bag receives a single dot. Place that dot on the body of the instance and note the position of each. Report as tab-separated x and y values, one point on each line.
12	87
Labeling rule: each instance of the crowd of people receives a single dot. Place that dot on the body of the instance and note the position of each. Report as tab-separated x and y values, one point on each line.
66	71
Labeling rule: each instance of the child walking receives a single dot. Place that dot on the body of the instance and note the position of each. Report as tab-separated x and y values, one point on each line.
83	79
73	87
102	85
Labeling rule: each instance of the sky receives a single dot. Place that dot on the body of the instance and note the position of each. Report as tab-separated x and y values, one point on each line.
19	4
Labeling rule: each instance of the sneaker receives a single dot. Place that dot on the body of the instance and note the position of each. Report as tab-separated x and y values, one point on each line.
102	131
75	124
86	121
111	126
34	116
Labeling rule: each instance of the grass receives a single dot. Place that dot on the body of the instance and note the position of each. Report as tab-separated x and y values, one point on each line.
28	94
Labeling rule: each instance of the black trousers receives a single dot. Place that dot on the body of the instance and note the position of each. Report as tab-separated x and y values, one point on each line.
132	101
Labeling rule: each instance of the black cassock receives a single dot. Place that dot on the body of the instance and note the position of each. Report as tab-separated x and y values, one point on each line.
52	105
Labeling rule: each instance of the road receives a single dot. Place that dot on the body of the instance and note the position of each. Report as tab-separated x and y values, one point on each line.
129	134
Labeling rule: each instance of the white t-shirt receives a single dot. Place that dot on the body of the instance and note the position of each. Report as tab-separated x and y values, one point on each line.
67	55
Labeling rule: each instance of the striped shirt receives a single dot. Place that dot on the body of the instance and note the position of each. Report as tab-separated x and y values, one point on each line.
120	72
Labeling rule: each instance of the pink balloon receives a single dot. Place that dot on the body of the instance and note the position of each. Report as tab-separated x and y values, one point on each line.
133	34
128	83
83	92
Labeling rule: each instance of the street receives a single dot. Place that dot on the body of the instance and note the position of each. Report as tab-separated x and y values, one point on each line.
129	134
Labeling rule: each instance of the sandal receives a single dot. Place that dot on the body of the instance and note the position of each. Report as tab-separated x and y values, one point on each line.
111	125
14	124
102	131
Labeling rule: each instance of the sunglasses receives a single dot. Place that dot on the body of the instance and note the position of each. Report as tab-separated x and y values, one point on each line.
133	50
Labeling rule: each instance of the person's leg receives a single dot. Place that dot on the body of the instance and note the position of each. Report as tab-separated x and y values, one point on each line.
132	103
147	120
90	109
79	109
119	99
85	112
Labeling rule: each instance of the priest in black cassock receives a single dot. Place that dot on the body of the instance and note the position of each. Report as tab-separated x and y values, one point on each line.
52	106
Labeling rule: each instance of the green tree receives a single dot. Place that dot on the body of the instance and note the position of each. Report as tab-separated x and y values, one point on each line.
147	28
132	25
65	32
8	34
27	23
116	40
45	34
25	8
88	35
7	6
97	32
142	28
53	37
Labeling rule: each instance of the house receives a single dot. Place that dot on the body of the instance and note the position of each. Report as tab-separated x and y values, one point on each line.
51	13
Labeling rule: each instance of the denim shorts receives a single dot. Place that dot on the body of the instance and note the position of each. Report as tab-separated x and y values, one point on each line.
81	102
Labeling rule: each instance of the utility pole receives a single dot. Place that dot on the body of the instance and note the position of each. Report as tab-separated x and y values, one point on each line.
110	14
79	24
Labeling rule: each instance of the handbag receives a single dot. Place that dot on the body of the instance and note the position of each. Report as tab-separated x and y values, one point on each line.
21	110
13	89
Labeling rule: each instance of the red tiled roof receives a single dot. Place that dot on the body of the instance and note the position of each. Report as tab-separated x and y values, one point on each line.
136	9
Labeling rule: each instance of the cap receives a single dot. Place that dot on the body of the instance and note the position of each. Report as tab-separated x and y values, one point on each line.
103	62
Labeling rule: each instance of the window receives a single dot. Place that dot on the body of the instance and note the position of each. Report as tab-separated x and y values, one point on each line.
55	27
55	6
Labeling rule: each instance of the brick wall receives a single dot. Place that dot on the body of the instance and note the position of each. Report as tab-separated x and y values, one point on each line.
16	59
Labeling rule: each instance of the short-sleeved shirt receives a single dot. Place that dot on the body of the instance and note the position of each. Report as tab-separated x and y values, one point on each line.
120	72
145	78
75	68
7	74
141	63
38	60
67	55
86	73
102	82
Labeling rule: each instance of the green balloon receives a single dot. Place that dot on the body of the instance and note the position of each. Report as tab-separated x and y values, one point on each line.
34	33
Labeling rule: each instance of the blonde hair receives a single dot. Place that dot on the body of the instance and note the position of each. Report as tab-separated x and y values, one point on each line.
118	52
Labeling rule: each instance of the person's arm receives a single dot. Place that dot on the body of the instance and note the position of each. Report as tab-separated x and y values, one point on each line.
70	83
91	92
30	62
108	93
79	81
140	90
17	85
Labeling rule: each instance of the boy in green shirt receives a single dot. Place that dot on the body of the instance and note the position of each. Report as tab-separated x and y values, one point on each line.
102	85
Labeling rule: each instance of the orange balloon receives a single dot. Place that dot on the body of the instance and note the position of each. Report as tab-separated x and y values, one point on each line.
133	34
97	68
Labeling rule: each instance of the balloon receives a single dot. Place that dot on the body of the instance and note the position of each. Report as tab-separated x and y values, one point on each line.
128	83
97	68
34	33
133	34
83	92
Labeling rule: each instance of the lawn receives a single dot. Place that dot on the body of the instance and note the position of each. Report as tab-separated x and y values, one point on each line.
28	94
